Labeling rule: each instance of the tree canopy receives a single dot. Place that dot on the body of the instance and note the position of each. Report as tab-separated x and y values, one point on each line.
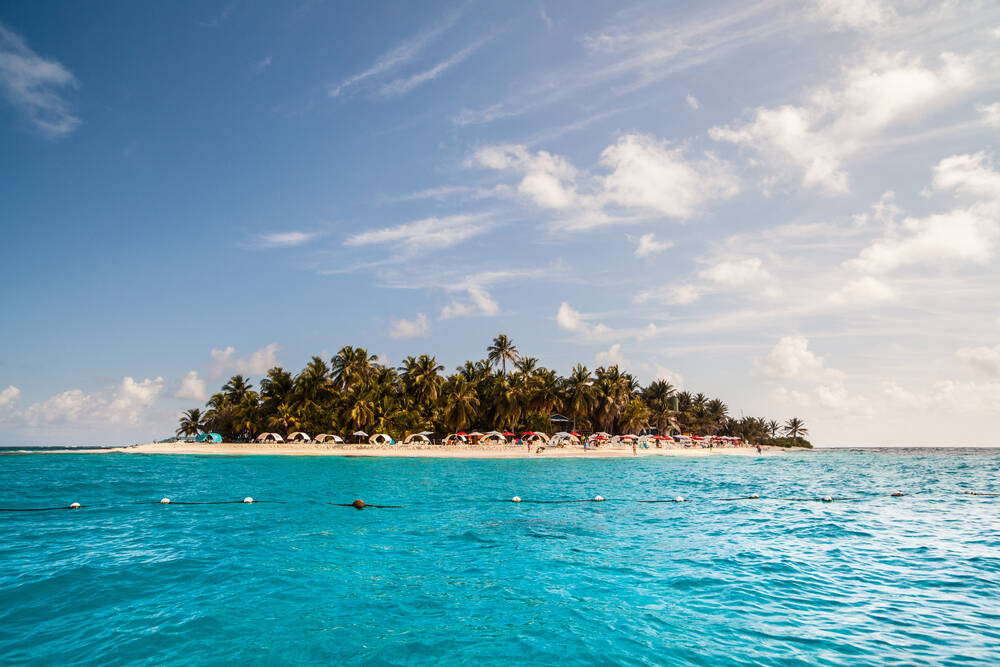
505	390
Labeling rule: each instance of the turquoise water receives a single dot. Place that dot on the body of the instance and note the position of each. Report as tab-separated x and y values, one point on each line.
460	577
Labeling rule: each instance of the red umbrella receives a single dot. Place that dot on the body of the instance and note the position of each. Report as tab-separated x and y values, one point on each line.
574	434
461	433
506	433
528	433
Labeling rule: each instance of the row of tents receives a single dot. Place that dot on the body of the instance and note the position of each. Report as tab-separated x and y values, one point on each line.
560	439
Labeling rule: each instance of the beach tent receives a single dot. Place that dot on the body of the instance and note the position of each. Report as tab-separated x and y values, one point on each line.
456	438
269	437
416	439
649	439
562	438
327	437
380	439
209	437
493	437
298	436
535	436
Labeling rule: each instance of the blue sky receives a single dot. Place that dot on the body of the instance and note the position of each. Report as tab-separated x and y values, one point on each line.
794	206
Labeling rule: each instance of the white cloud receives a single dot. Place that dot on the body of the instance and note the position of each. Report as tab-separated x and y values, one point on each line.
648	174
35	85
960	236
673	377
401	54
283	239
405	85
839	121
948	397
736	273
425	234
613	356
985	359
853	13
791	359
644	176
990	114
675	295
569	318
257	363
417	327
8	396
692	102
192	387
865	291
128	401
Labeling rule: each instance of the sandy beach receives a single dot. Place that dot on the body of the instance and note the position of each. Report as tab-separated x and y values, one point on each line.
424	451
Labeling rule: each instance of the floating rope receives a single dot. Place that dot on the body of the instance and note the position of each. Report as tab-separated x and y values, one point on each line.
360	504
74	506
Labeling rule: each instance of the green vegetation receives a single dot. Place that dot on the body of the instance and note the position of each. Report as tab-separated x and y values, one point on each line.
505	390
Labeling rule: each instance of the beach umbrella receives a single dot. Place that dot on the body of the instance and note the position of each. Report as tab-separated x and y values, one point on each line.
360	434
507	434
574	434
462	433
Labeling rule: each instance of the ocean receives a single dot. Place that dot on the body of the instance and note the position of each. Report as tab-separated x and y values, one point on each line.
460	575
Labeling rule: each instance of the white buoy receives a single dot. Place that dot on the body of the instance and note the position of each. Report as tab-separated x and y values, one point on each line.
753	496
827	499
164	501
74	506
679	499
598	498
515	499
248	499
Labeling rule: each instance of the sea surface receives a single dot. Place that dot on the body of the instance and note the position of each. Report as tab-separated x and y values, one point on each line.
460	575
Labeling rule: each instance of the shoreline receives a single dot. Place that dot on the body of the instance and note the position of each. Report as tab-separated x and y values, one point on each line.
413	451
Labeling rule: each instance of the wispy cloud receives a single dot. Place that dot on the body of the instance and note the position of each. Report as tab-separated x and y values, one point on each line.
282	239
425	234
405	85
402	53
36	85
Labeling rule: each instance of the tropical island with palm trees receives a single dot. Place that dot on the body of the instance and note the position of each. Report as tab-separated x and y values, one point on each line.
505	402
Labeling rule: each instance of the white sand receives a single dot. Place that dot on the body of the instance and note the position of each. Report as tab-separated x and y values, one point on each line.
425	451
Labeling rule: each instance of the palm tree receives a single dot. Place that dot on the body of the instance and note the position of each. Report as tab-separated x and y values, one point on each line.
657	397
421	379
795	427
351	367
772	428
634	416
236	389
579	392
501	351
191	423
462	403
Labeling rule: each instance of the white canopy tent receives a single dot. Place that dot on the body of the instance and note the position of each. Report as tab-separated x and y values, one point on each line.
269	437
298	436
416	439
327	437
380	439
493	437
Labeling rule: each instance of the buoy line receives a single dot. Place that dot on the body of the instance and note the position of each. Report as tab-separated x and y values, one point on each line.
360	504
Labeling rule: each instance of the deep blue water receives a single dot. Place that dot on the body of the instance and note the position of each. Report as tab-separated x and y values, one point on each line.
459	577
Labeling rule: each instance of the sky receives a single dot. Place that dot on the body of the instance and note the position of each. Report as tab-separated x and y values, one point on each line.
793	206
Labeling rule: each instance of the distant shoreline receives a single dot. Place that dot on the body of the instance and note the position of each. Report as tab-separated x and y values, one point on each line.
411	451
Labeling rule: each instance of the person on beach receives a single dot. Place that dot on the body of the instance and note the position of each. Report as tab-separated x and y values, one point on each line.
758	448
634	453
